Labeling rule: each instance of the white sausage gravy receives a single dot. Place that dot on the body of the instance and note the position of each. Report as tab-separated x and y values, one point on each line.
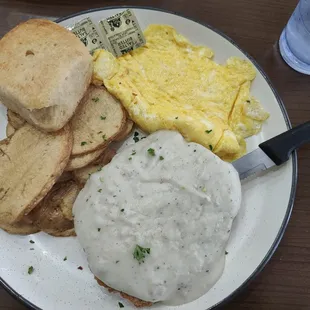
155	222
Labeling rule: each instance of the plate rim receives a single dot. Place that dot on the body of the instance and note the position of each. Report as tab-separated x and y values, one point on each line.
290	206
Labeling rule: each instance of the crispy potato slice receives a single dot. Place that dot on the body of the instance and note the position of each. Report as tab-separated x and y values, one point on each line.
9	130
126	131
82	175
78	162
66	176
134	300
23	227
97	121
30	163
67	233
54	214
15	120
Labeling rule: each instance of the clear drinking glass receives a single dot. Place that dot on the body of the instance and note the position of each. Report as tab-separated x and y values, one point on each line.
295	39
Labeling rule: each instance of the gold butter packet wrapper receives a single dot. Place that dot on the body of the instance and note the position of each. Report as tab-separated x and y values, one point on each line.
86	31
122	32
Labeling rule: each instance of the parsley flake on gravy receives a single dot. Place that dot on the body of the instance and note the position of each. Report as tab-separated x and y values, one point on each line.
139	253
161	158
31	241
120	305
83	143
151	151
96	99
65	258
30	270
136	138
103	117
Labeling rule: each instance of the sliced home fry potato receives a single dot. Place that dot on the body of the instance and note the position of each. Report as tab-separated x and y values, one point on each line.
15	120
127	130
97	121
54	214
83	160
9	130
30	163
23	227
82	175
66	176
67	233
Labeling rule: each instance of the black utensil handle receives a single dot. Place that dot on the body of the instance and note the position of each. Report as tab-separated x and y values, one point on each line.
280	147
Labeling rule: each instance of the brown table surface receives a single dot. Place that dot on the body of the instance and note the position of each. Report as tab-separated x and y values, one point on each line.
255	25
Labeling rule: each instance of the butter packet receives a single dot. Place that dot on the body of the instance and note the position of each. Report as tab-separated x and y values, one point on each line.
86	31
123	32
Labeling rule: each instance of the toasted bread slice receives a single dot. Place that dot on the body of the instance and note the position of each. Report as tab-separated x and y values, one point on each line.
15	120
30	163
97	121
78	162
82	175
54	214
44	72
126	131
10	130
23	227
134	300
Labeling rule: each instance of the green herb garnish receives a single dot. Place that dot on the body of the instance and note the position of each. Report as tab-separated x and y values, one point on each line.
99	132
133	152
211	147
120	305
83	143
31	241
248	101
99	190
136	138
103	137
96	99
139	253
30	270
208	131
161	158
177	117
151	151
122	210
65	258
99	229
103	117
130	158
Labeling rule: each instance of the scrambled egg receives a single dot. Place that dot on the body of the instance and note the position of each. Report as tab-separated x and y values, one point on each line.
171	84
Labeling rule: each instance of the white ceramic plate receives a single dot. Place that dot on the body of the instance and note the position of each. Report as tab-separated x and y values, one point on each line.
257	230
